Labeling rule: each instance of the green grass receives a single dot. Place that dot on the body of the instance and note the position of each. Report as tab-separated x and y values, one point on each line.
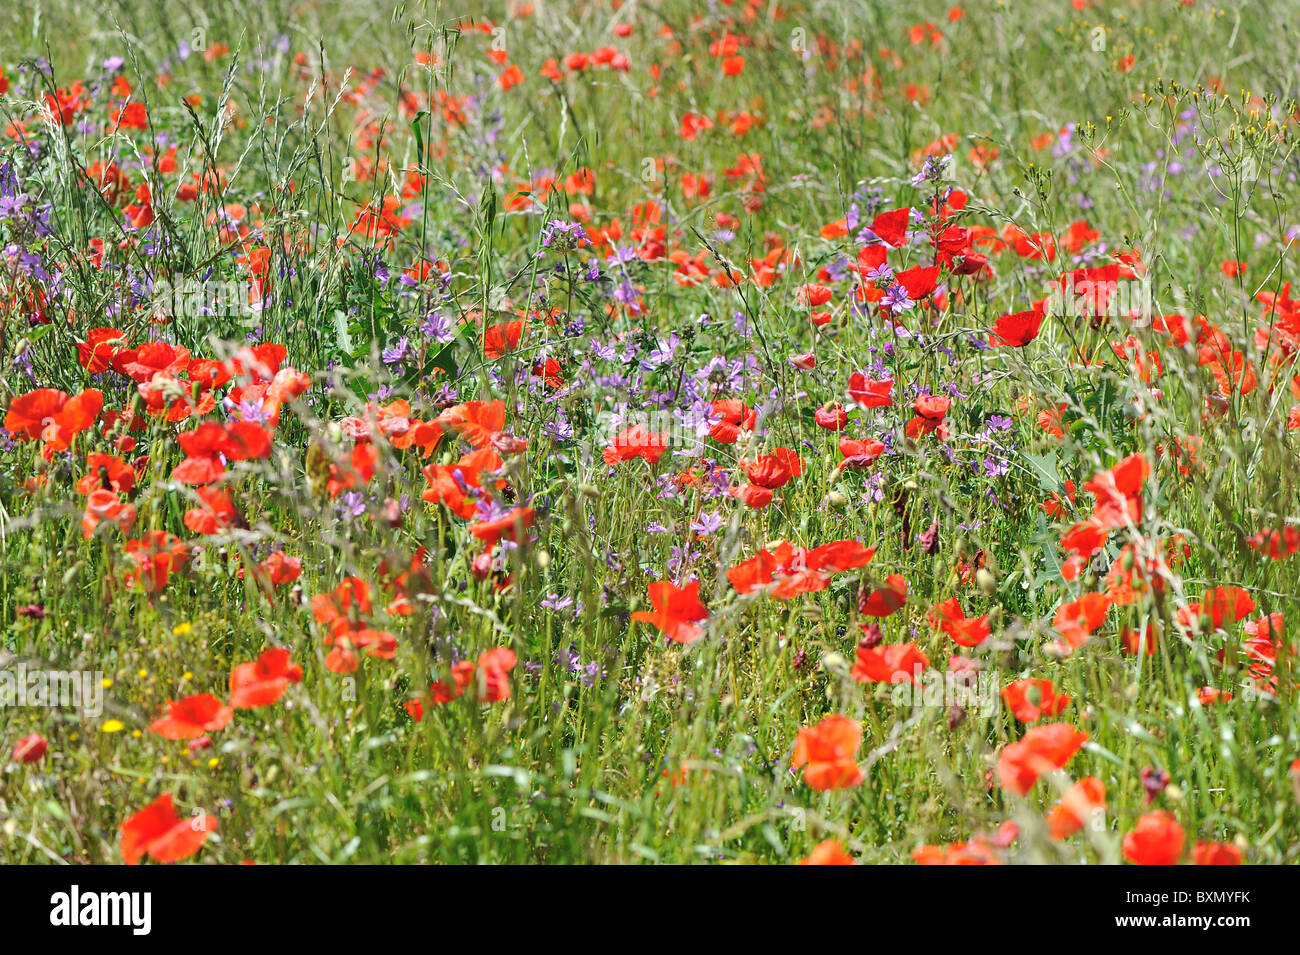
586	765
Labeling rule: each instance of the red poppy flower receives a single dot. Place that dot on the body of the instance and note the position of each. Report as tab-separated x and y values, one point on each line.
356	472
458	486
1041	750
790	571
107	472
264	681
280	569
30	748
1216	853
475	421
814	295
884	600
1209	695
827	753
889	663
105	506
1118	491
677	610
101	347
1275	545
1132	640
192	716
859	454
635	442
949	618
493	671
869	393
155	556
1080	803
158	831
52	416
511	525
891	227
751	495
1016	330
736	418
832	417
1078	619
501	338
1157	839
775	470
1031	700
829	852
975	852
930	413
217	513
1226	605
919	280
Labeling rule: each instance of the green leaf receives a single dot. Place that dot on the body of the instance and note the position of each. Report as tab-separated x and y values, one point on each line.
341	333
1046	468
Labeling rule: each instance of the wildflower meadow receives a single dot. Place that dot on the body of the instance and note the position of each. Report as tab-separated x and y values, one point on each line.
649	431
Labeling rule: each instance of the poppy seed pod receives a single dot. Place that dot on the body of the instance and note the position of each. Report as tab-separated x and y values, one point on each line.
317	466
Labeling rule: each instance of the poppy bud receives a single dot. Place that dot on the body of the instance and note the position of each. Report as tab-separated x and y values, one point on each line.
482	566
929	539
30	748
1154	781
509	444
591	491
806	361
988	584
318	469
